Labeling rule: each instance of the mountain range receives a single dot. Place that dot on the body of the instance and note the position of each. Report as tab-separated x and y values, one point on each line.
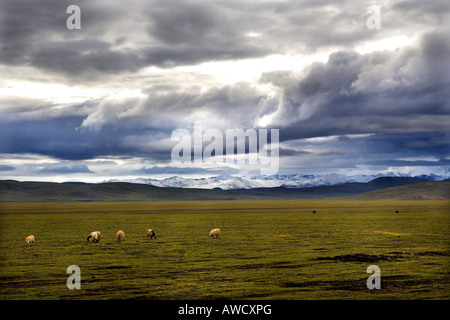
398	188
228	182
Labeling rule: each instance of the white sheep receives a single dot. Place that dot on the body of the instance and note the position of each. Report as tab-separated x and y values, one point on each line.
30	239
151	234
214	233
94	236
120	235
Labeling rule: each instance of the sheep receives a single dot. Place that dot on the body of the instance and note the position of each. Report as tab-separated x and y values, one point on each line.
120	235
214	233
94	236
30	239
151	234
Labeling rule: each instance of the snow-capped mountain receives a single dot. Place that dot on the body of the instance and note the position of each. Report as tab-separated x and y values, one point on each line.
226	182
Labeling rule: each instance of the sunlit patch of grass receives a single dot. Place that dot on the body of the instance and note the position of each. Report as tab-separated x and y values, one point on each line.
398	234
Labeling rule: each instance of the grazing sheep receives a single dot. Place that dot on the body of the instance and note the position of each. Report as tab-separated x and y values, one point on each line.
30	239
120	235
94	236
151	234
214	233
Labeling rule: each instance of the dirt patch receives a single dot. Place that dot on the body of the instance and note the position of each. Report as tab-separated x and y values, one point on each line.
433	253
112	268
273	265
361	257
289	266
391	256
201	270
30	283
389	284
347	285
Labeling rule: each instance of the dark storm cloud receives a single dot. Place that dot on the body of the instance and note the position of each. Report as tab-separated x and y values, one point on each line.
382	92
291	152
400	145
437	142
69	168
414	163
6	168
85	57
377	152
189	32
171	33
52	137
178	32
286	152
186	170
60	138
35	34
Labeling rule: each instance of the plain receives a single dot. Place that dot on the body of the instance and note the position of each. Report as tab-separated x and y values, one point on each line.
268	250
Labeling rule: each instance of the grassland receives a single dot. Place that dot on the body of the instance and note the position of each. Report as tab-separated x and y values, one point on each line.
268	250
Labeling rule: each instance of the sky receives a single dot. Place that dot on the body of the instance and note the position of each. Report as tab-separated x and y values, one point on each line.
102	102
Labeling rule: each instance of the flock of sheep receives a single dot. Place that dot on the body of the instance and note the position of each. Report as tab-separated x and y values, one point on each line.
120	235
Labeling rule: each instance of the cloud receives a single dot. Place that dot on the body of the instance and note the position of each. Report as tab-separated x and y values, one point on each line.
6	168
396	92
388	93
409	163
239	104
127	37
84	58
162	33
186	170
68	168
286	152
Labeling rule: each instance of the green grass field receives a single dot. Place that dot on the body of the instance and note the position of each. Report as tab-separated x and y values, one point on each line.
268	250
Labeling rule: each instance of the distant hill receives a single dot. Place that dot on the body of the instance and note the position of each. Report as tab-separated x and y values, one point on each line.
418	191
14	191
